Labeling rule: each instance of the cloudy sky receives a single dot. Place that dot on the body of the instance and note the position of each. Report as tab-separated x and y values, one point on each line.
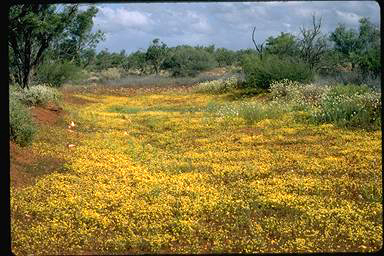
132	26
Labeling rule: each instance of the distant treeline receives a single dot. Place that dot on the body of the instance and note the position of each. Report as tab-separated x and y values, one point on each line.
48	44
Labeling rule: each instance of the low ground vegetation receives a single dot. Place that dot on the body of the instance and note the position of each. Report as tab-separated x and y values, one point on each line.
261	73
245	175
258	158
22	127
353	106
38	95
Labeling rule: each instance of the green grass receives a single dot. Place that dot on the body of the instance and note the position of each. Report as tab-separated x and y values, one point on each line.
123	109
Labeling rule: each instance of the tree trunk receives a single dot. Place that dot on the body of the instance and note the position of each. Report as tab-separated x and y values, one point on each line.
156	69
26	77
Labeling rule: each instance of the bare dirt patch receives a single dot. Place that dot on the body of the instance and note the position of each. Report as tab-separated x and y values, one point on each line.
47	115
25	164
20	158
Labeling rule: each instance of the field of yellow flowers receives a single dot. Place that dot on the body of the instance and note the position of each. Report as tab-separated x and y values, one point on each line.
160	171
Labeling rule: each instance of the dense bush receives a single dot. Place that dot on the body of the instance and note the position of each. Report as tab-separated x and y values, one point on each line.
188	61
300	95
21	127
350	106
261	72
110	74
217	86
343	105
56	74
349	77
225	57
36	95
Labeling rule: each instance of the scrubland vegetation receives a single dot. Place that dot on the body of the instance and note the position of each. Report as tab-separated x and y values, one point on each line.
199	149
177	170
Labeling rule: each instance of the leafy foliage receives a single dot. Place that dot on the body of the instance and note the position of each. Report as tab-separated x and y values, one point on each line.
22	129
77	41
348	106
156	54
188	61
137	60
39	95
110	74
40	32
261	73
217	86
225	57
284	44
56	73
343	105
360	48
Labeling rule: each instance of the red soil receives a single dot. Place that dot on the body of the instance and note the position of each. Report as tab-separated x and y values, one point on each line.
25	165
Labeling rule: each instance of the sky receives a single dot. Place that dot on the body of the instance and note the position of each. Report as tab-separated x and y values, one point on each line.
132	26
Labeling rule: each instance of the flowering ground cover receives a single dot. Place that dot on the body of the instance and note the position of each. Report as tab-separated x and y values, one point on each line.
166	171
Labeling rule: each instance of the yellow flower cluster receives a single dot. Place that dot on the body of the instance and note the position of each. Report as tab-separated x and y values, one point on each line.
161	179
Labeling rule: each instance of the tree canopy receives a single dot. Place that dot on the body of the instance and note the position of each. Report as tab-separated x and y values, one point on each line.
34	28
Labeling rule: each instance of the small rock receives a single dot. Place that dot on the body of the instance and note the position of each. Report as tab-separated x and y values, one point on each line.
71	145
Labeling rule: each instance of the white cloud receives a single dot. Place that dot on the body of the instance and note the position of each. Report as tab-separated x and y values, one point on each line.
227	25
113	20
197	23
348	17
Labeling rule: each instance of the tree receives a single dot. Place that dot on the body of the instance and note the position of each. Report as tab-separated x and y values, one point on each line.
185	60
312	43
137	60
260	47
156	54
360	48
345	41
103	60
367	53
77	37
87	57
31	30
224	57
283	45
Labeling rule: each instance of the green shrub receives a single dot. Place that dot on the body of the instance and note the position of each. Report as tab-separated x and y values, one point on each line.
348	90
38	95
260	73
21	126
110	74
253	112
302	96
188	61
350	106
342	105
56	74
217	86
